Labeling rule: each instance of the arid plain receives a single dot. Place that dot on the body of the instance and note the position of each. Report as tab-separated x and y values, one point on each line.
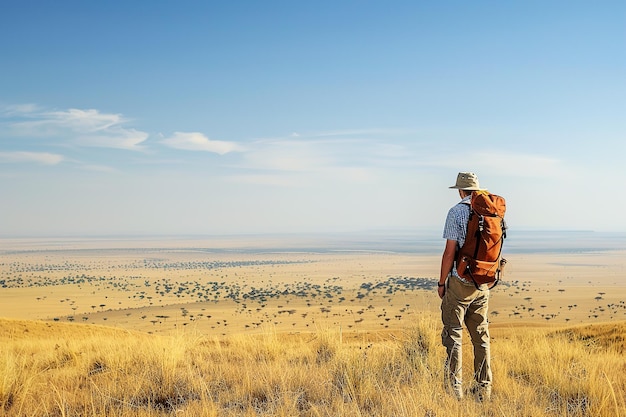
225	286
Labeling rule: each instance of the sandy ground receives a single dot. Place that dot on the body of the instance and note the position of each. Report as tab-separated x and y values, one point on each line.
162	286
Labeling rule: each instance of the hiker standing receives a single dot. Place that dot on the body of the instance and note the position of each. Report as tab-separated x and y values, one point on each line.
463	300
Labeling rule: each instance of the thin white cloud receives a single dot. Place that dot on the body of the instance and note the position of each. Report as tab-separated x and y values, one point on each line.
518	164
80	127
308	160
98	168
195	141
266	179
35	157
291	155
368	155
363	133
89	120
129	139
357	150
19	109
488	161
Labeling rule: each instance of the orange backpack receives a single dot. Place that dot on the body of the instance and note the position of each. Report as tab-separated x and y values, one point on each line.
480	259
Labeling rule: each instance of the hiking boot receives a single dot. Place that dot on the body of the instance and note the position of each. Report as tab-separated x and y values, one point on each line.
481	393
456	391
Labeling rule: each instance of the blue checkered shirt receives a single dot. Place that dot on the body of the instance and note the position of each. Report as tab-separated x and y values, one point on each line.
456	226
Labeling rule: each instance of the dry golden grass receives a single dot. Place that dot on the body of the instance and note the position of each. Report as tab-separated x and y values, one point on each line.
65	369
196	333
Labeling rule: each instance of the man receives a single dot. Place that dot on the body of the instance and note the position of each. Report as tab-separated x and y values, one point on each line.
462	302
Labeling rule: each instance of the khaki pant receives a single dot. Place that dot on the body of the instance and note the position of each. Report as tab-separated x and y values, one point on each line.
463	303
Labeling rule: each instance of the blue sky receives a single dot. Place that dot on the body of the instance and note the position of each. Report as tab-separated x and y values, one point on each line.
201	117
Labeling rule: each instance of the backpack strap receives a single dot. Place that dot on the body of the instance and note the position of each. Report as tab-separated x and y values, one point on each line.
458	247
481	221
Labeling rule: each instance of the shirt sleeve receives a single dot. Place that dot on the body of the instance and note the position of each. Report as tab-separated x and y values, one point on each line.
451	228
456	223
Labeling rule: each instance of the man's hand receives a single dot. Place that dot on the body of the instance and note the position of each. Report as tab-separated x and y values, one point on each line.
441	290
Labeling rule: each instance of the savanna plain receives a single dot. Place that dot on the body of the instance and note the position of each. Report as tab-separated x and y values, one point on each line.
266	326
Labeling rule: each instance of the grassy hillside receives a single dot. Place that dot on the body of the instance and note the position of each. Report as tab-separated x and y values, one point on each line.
65	369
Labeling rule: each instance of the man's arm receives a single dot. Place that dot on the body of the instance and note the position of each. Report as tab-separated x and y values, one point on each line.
447	260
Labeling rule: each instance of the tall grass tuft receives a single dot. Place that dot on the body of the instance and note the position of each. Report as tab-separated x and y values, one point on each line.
78	370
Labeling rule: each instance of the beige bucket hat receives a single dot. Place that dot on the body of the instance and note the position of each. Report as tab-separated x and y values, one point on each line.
467	181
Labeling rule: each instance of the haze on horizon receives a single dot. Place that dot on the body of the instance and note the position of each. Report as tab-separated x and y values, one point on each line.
207	118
